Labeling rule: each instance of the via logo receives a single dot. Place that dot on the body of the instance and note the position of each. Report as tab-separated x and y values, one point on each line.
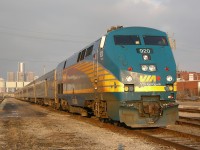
149	78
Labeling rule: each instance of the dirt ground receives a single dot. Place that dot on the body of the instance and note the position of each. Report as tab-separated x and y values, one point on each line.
25	126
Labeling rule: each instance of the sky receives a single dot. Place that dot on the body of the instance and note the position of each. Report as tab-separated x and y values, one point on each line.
42	33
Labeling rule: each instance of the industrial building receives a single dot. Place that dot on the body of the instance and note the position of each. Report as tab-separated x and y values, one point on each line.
188	85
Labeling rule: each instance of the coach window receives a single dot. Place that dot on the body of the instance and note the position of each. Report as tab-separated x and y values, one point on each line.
126	40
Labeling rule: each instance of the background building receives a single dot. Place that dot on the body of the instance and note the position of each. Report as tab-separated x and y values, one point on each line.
188	85
187	76
2	85
21	72
16	80
20	77
30	76
12	81
11	77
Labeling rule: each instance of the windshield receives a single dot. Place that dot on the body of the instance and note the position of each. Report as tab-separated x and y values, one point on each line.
155	40
126	40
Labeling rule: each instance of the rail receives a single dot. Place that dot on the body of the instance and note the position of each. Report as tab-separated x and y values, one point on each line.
176	139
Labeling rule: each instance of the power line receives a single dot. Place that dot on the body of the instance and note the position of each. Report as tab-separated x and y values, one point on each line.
30	60
40	32
43	38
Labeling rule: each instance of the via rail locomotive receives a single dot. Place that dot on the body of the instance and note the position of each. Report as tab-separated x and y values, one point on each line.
127	76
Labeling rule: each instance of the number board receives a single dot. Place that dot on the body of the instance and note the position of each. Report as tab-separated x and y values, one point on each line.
144	50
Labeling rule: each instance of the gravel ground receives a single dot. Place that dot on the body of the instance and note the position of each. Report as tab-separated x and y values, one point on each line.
24	126
187	129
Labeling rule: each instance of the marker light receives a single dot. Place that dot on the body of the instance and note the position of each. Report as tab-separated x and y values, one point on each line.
152	68
169	78
129	78
130	69
166	68
144	67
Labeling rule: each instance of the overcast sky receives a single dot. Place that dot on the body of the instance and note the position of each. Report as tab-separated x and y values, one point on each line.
43	33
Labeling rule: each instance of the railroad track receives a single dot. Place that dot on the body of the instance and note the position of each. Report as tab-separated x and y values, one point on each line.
189	110
0	101
189	121
192	121
161	136
176	139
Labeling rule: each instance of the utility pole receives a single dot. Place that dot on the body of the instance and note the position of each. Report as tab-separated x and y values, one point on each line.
44	70
172	41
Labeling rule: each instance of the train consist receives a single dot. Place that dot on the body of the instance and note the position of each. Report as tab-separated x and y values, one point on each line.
127	76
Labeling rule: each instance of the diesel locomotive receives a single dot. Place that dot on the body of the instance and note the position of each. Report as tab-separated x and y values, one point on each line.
127	76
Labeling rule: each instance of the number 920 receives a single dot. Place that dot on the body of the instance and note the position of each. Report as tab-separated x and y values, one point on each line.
144	50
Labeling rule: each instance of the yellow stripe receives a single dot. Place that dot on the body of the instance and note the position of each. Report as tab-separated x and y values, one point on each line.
106	77
79	91
137	89
86	69
100	68
88	72
91	75
103	72
74	66
150	89
111	89
119	88
110	83
175	86
82	66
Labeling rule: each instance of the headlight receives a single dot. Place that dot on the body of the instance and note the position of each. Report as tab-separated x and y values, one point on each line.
129	88
126	88
146	57
144	67
169	78
169	88
129	78
152	68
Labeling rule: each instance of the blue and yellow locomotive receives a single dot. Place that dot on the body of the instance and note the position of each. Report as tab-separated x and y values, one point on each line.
126	76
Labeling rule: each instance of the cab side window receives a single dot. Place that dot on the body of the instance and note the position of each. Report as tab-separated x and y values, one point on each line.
84	53
89	51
